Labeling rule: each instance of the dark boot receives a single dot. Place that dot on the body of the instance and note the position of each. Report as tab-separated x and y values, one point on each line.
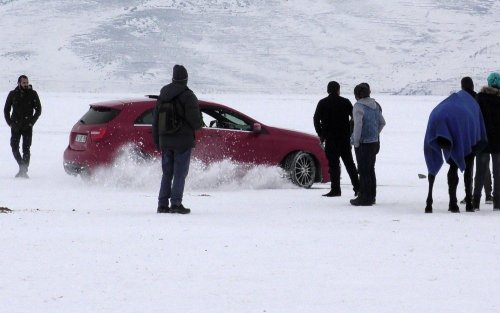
179	209
332	193
469	208
23	172
453	207
359	201
468	204
475	203
163	209
496	204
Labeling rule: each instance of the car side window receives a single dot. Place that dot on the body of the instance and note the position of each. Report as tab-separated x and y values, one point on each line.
223	119
145	118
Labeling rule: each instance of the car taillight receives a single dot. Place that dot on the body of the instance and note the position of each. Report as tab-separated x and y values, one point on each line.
98	133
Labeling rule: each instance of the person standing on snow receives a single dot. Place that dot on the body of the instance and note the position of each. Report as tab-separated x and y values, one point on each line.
489	102
368	123
176	147
467	84
332	124
22	110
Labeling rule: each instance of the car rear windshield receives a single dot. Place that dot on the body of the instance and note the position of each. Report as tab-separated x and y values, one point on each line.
99	115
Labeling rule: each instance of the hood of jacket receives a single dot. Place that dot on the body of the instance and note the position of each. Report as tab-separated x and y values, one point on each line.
369	102
171	91
490	90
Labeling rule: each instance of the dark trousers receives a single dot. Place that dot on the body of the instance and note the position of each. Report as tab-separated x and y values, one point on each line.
175	167
334	152
366	155
482	163
26	134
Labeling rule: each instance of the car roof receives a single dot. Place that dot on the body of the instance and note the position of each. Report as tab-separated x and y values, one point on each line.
149	102
146	102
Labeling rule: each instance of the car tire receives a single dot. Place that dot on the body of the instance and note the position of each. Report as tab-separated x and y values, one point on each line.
301	169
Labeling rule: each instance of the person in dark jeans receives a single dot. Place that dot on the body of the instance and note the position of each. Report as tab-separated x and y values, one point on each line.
176	147
368	123
332	124
22	110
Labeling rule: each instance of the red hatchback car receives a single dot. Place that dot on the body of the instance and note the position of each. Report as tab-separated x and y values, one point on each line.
98	136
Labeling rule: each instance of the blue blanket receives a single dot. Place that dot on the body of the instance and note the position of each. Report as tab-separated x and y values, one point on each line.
457	119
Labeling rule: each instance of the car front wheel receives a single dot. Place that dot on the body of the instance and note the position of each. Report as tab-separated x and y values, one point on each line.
301	169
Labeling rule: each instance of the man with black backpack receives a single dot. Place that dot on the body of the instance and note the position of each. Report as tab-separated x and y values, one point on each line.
175	119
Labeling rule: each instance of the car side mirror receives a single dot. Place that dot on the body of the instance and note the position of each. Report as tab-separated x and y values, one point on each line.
256	128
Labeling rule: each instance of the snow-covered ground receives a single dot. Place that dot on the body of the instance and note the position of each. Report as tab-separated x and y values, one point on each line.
253	243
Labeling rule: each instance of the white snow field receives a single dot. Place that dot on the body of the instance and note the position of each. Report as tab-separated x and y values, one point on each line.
253	243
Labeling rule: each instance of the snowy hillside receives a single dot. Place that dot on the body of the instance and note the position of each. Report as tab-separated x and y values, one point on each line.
294	46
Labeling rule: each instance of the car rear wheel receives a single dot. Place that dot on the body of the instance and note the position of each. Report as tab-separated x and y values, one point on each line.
301	169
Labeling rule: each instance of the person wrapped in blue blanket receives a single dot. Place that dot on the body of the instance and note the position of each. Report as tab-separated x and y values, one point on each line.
455	132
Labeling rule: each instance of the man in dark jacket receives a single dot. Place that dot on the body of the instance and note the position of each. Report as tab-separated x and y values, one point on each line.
489	102
467	84
176	147
22	110
332	123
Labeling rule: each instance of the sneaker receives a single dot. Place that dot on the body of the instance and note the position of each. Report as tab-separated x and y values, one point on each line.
489	199
332	194
163	209
179	209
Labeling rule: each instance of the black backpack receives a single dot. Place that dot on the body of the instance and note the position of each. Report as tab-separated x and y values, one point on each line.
170	120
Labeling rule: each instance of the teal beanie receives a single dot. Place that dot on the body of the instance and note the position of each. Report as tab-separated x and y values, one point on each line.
494	80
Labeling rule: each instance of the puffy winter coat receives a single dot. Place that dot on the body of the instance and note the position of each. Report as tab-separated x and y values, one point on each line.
489	102
22	108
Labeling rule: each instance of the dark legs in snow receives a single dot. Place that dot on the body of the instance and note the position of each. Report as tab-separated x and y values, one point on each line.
452	186
430	178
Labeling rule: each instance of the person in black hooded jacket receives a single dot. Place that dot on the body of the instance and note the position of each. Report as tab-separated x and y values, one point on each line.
332	122
176	147
467	84
22	110
489	102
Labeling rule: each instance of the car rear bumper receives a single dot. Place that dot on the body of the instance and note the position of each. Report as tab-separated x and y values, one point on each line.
77	162
75	168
